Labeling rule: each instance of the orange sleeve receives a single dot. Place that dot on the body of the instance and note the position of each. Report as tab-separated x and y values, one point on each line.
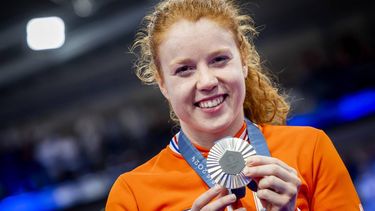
333	187
121	197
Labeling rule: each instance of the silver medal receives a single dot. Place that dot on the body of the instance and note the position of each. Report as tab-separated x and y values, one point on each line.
226	160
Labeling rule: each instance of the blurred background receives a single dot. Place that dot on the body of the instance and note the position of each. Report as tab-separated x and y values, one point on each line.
74	117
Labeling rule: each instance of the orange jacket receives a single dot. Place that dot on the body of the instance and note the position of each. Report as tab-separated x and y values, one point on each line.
167	182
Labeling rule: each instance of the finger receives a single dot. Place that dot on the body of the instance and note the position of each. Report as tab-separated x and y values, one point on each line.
240	209
257	160
222	193
271	169
273	198
277	185
220	203
207	196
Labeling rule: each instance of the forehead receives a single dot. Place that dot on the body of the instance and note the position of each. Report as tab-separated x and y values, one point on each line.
204	34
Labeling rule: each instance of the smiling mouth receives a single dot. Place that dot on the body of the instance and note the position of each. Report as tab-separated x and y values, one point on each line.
211	103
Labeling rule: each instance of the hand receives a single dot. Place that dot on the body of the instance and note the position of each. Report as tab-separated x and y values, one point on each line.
205	201
278	183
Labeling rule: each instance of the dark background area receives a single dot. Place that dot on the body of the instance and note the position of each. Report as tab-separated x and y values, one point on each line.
73	119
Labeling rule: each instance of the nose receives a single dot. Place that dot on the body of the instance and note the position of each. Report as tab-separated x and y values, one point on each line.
207	79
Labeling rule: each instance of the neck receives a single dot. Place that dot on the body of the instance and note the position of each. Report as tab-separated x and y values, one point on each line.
207	139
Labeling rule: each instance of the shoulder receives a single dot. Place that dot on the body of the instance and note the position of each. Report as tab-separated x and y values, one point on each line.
323	174
126	183
292	136
296	145
165	162
285	130
161	174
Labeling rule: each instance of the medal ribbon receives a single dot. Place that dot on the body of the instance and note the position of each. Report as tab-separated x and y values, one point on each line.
257	139
194	158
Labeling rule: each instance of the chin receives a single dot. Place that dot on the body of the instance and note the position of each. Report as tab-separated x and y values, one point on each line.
217	126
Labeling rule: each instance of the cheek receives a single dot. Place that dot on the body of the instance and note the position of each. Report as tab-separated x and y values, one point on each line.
180	102
235	76
237	83
179	94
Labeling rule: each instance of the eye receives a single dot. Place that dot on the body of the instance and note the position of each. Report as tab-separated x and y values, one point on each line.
184	70
219	60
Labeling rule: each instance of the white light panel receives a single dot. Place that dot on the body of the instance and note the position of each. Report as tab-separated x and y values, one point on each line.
45	33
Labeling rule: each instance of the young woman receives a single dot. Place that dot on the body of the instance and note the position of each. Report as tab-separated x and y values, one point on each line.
200	54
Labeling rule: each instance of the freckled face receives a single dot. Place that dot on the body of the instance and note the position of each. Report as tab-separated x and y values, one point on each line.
203	78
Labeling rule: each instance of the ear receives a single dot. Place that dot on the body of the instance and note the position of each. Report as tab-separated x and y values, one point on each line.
162	87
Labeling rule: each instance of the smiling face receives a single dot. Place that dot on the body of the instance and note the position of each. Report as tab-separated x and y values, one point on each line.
203	78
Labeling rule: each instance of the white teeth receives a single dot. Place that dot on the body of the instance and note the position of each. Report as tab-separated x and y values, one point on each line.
211	103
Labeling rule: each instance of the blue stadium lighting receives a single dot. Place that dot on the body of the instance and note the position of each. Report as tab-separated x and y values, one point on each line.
358	105
87	189
34	201
306	119
349	108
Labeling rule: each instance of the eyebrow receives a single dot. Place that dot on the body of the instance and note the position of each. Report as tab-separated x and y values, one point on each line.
182	60
219	51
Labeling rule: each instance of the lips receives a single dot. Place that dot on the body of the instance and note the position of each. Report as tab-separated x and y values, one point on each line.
211	102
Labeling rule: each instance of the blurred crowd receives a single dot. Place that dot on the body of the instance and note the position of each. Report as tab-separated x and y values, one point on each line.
344	66
36	156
